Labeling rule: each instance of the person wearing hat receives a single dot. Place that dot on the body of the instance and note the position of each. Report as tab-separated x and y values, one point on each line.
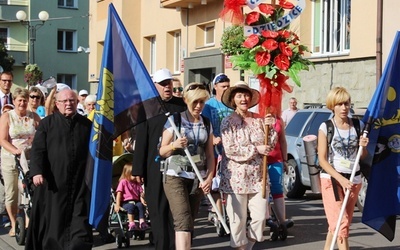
147	165
243	139
215	111
81	98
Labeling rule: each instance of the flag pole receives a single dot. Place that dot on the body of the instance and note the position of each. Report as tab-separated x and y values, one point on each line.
347	195
265	163
196	170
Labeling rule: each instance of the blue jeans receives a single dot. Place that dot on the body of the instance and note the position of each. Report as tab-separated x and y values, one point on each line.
130	208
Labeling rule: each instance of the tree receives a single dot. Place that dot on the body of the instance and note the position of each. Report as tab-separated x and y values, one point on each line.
6	61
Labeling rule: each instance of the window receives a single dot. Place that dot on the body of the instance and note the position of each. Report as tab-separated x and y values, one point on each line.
4	36
152	54
177	51
209	34
66	40
68	79
67	3
331	27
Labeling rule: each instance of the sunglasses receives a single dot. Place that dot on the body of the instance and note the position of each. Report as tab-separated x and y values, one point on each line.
35	96
197	86
178	89
165	82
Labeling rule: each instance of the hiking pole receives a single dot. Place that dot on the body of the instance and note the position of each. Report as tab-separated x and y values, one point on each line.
346	197
196	170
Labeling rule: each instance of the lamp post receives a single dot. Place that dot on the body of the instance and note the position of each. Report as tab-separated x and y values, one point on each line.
43	17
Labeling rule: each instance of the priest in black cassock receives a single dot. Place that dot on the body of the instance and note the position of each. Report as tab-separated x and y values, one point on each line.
61	199
144	164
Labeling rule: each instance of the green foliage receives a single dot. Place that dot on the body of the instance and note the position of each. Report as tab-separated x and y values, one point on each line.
232	40
6	61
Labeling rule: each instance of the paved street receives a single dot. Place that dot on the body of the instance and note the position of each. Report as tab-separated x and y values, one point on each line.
308	233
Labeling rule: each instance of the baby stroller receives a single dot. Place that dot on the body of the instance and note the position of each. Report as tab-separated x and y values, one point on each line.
273	223
25	187
118	222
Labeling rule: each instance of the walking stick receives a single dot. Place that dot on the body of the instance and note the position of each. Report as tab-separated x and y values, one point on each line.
265	163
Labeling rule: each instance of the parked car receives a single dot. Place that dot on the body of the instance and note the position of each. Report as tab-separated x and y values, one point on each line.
306	122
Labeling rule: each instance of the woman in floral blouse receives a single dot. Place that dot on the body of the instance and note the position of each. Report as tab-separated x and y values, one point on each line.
243	139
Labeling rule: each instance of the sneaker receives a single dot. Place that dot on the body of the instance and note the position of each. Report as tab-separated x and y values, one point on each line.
283	232
143	226
131	226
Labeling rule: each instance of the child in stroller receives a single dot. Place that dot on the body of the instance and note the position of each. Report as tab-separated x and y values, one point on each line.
130	195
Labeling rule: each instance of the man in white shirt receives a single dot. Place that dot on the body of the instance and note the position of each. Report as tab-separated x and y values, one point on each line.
288	114
6	81
81	105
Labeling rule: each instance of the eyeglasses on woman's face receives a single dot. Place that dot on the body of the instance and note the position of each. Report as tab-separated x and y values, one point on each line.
35	97
177	89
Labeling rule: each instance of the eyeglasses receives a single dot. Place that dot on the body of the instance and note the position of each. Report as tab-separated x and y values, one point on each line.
35	96
6	80
67	100
222	78
178	89
196	86
165	82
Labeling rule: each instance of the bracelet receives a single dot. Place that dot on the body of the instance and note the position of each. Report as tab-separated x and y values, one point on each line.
172	146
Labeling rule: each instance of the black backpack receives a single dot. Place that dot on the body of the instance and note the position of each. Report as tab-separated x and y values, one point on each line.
365	167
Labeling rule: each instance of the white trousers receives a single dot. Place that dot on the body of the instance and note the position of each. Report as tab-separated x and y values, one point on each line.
237	207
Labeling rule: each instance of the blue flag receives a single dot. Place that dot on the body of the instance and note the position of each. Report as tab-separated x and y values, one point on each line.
126	96
382	203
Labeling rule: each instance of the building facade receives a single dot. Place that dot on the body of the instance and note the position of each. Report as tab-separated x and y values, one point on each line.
185	36
52	45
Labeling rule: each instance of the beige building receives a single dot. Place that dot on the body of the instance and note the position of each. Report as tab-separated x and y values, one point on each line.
185	35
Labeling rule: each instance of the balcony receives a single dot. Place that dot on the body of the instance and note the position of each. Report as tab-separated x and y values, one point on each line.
184	3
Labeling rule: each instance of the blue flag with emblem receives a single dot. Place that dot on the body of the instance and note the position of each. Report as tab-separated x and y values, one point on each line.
382	203
126	96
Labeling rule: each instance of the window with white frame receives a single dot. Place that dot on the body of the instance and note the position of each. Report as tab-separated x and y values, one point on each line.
209	34
66	40
4	36
152	41
177	51
67	3
69	79
331	27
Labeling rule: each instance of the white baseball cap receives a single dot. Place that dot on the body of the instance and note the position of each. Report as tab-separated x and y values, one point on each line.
62	86
161	75
83	92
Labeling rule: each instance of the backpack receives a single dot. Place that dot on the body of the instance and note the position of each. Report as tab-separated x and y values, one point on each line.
365	167
177	121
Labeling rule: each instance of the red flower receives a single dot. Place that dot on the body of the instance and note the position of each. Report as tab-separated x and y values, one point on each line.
270	44
252	17
266	8
284	33
285	49
286	4
251	41
282	62
263	58
269	34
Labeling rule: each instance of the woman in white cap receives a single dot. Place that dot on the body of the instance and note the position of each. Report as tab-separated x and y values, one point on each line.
241	168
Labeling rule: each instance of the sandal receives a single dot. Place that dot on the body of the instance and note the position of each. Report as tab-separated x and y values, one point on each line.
144	226
11	233
131	226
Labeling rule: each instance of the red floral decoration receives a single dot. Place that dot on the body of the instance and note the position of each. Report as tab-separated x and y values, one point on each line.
273	56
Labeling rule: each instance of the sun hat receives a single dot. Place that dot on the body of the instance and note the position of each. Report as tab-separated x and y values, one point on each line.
83	92
161	75
227	95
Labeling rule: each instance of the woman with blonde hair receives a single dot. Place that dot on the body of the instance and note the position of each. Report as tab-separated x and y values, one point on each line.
337	161
17	129
181	185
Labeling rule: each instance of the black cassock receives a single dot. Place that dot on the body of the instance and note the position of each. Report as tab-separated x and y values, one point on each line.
59	216
147	138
